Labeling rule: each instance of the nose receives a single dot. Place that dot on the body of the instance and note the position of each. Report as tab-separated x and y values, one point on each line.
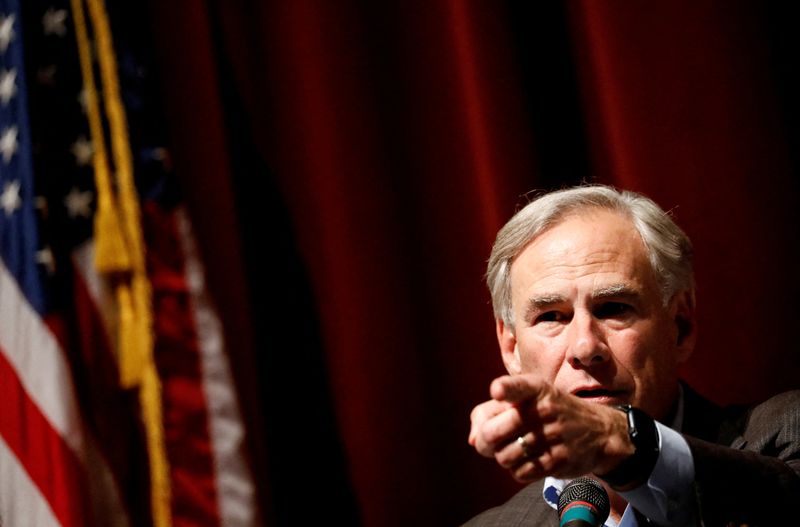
587	345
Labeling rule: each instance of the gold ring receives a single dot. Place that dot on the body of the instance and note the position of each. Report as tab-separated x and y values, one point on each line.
526	450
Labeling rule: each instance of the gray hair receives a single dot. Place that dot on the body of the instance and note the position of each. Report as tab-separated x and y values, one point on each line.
669	249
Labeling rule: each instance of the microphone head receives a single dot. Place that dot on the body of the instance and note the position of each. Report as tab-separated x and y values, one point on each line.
583	502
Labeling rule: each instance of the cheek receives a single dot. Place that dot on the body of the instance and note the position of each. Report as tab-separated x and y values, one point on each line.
540	356
630	350
645	355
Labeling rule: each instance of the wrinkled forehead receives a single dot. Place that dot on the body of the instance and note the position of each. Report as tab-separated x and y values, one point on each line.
601	245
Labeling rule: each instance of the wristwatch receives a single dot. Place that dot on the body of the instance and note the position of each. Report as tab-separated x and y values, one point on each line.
644	436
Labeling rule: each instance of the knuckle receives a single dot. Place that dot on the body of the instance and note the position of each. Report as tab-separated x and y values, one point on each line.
524	472
483	448
489	432
557	459
546	462
553	431
503	459
546	408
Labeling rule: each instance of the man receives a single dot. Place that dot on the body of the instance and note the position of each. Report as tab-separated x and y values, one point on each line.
593	295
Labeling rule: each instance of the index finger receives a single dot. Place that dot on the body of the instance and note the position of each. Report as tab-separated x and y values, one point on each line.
482	413
515	388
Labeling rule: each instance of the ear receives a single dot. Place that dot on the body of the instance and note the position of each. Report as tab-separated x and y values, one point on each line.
508	347
683	312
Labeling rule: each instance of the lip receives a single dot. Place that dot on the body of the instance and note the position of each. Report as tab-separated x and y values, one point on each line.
600	394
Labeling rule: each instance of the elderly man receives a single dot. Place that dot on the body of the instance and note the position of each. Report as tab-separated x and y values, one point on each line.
593	296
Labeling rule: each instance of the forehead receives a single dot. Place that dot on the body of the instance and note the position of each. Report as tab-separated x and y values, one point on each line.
598	246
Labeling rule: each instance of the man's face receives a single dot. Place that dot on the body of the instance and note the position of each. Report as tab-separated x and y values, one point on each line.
589	317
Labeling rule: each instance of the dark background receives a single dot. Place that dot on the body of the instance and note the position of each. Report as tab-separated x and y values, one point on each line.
348	163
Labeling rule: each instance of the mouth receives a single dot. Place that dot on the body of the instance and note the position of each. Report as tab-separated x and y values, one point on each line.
600	394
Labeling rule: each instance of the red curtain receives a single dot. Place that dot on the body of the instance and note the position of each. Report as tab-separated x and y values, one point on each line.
684	103
349	163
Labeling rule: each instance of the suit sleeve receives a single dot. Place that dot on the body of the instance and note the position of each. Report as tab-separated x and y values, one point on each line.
755	480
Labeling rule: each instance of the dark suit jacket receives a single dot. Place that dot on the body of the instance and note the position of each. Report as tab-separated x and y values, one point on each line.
746	459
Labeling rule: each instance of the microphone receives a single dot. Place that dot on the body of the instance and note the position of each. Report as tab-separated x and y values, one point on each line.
583	503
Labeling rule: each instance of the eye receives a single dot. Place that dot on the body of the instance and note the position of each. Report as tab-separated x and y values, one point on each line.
613	310
550	316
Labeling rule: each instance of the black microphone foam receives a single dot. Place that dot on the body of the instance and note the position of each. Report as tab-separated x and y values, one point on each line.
583	503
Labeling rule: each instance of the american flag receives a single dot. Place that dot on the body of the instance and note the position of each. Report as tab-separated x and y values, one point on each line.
72	440
40	423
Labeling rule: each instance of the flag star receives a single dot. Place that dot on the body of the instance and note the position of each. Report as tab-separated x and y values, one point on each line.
6	32
83	151
84	98
9	199
54	22
8	143
44	257
8	85
79	203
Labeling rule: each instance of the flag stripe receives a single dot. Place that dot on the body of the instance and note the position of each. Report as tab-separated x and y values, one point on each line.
21	503
49	462
35	355
100	293
235	489
36	362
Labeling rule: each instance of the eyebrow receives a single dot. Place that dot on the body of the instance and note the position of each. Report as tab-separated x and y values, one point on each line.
542	302
616	291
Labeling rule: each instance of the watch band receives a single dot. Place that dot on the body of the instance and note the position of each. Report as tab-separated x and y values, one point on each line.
644	436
